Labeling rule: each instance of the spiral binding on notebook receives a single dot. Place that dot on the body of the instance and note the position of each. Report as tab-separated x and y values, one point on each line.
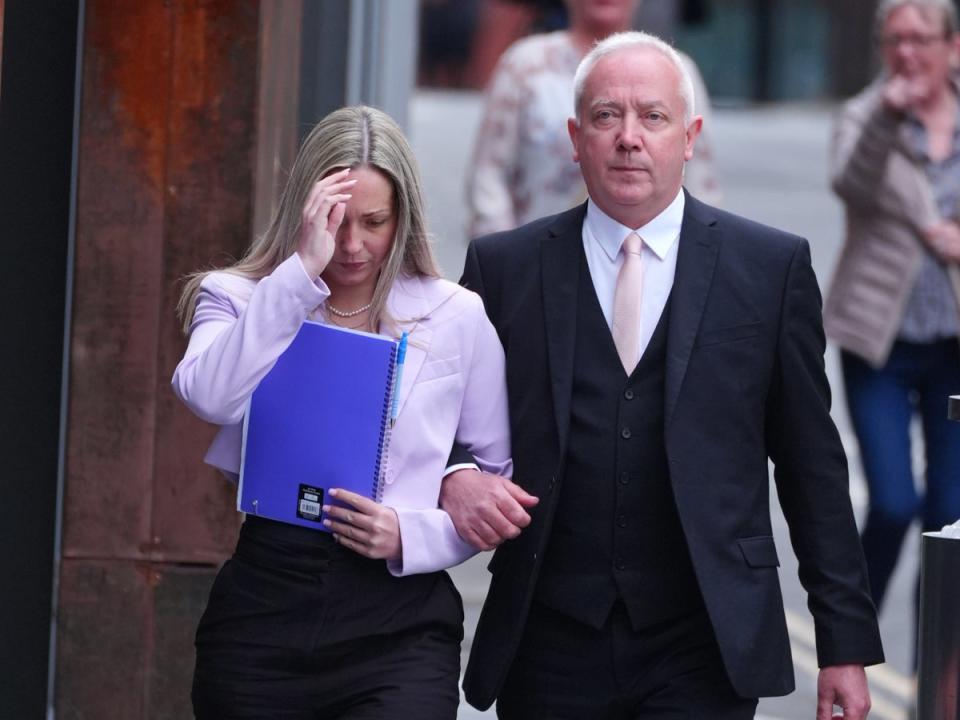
380	471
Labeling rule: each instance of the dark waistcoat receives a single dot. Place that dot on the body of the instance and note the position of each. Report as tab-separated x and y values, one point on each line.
616	532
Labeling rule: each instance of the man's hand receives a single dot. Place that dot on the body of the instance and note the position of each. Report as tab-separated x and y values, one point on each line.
845	686
944	239
486	509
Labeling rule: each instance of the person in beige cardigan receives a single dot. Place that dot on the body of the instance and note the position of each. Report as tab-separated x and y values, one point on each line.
892	307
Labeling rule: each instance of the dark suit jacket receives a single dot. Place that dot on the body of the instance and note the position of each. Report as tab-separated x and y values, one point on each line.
745	382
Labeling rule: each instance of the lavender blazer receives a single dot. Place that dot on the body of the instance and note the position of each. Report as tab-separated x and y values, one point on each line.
453	387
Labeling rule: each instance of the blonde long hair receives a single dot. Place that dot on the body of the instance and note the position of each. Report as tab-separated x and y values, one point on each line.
349	137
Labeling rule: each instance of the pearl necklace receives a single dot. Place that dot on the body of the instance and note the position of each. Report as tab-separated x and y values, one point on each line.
352	313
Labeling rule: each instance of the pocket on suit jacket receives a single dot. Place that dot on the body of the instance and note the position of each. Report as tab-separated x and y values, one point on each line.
760	551
716	336
439	368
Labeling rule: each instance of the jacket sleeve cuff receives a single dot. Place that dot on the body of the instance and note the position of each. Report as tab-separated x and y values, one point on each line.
430	542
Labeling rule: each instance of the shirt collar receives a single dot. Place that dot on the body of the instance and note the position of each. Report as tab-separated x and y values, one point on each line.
658	234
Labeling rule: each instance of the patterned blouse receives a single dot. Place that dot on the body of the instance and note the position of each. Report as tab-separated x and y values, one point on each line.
523	164
931	312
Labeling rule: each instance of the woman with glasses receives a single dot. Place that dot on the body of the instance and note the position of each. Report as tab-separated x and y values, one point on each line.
893	304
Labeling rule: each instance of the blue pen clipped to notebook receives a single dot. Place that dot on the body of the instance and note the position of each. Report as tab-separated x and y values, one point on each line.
401	357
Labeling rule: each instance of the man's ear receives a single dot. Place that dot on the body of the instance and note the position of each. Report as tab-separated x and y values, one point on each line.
693	130
573	127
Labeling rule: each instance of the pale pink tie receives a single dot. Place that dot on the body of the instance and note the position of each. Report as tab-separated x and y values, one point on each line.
626	303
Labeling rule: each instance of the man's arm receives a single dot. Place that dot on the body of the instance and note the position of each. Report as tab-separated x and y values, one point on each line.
812	485
485	509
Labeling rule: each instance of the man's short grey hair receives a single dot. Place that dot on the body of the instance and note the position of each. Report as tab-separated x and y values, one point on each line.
629	40
946	8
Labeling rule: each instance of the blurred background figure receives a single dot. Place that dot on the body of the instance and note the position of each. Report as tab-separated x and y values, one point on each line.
522	166
446	41
893	304
503	22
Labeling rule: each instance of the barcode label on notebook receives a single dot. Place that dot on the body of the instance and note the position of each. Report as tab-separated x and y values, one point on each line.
309	501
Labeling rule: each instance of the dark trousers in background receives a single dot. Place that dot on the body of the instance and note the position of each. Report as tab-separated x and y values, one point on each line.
565	670
300	628
916	380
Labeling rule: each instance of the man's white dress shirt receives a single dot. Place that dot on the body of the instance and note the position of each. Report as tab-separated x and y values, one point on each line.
602	240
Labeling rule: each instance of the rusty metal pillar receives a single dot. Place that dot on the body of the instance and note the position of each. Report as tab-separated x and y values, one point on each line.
182	132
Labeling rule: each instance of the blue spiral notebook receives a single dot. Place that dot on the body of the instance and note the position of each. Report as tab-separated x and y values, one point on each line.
319	419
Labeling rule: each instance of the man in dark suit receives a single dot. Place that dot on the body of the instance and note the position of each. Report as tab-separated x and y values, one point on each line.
659	351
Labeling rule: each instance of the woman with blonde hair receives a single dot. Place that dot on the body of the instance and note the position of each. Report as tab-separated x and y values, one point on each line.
361	622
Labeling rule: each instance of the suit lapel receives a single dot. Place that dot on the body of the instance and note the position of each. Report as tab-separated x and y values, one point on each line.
410	308
696	260
560	267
